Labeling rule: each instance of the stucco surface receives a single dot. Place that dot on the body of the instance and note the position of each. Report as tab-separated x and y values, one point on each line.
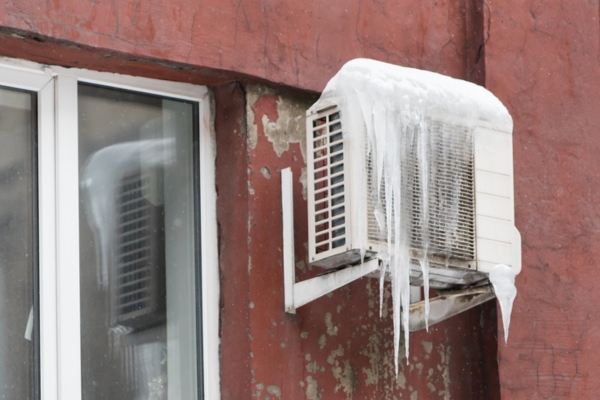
540	58
297	43
542	62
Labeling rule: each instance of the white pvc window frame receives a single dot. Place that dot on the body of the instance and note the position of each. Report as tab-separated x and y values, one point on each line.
58	183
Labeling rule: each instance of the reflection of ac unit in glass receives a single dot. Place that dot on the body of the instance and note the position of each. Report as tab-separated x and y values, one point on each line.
469	231
124	202
138	276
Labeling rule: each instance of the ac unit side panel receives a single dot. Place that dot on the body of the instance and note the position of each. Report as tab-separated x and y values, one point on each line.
493	183
494	251
494	204
493	151
500	207
495	229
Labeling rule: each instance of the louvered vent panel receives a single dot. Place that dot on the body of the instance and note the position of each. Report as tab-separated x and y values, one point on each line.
138	284
451	228
329	185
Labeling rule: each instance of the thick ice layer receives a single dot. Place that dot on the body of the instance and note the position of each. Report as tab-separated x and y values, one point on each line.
503	279
396	105
412	88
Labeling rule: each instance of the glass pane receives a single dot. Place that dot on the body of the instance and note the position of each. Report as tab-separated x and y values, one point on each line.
19	334
137	232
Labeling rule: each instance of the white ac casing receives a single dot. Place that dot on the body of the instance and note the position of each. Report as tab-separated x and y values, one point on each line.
339	173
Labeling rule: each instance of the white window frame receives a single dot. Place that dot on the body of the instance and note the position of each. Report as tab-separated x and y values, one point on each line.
58	187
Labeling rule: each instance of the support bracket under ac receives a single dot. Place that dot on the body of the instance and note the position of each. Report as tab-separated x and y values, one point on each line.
297	294
447	304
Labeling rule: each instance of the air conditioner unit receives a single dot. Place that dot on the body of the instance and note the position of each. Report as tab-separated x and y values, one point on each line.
456	140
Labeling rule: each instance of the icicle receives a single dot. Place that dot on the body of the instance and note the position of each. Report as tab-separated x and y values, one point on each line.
390	104
423	161
503	279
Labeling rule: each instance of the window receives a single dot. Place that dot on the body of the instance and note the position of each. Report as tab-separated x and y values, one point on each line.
107	215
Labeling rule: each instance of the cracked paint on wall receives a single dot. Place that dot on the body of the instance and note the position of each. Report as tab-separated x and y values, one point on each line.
283	42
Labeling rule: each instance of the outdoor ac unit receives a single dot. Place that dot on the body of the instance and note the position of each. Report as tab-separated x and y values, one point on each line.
469	170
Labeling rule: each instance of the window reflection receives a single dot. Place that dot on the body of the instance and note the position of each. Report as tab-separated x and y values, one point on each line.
137	245
19	333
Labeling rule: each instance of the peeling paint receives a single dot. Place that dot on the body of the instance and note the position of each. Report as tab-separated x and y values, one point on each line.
290	127
301	265
419	367
312	389
332	330
444	368
401	380
322	341
304	182
342	372
266	172
259	388
274	390
347	380
304	335
373	352
428	346
253	93
312	367
334	354
431	387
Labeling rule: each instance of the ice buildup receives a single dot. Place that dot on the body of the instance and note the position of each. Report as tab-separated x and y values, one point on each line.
502	278
397	108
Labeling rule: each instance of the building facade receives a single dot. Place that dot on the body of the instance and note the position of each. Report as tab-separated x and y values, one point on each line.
248	71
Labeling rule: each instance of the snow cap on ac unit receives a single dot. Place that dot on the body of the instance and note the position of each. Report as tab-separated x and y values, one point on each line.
414	168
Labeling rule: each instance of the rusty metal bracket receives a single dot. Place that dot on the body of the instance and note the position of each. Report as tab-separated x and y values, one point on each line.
448	304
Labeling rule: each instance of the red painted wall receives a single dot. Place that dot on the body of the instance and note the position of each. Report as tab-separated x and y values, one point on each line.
540	58
296	43
542	62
